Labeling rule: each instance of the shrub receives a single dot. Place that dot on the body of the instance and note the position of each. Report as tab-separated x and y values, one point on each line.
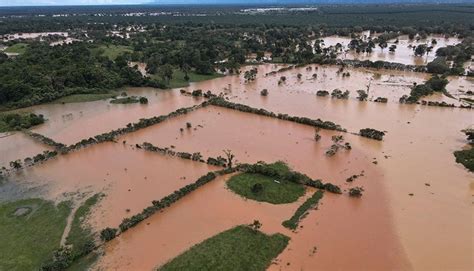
108	234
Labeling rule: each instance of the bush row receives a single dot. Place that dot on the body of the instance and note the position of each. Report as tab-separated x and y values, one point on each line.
219	101
132	127
108	234
292	223
196	156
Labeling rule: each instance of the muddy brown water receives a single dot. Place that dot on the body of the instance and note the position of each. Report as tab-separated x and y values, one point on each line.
267	139
17	145
69	123
131	179
436	221
385	229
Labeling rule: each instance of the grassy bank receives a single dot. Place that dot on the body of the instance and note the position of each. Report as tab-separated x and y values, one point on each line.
27	240
240	248
466	158
292	223
81	237
267	189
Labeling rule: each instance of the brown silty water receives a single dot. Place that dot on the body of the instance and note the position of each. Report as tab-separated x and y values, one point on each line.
255	138
404	52
432	224
130	178
69	123
17	145
435	222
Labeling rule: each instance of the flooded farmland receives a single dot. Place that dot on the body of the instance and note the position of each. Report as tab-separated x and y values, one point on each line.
66	122
404	52
416	204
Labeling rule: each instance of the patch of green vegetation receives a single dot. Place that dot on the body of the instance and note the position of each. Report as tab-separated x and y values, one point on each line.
466	158
178	79
267	189
29	239
81	98
113	51
84	263
80	236
18	121
292	223
19	48
240	248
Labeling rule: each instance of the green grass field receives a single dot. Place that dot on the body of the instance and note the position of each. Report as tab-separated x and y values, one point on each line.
19	48
292	223
178	78
113	51
81	98
271	191
28	240
240	248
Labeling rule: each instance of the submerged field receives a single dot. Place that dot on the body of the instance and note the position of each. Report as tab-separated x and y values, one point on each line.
414	206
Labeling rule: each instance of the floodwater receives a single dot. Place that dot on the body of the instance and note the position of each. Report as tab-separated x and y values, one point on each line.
416	211
267	139
404	52
17	145
434	223
17	36
200	215
71	122
130	178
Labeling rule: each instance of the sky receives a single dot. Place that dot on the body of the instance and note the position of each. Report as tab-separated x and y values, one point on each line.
118	2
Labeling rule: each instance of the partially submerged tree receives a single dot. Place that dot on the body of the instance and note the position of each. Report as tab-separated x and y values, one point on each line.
230	157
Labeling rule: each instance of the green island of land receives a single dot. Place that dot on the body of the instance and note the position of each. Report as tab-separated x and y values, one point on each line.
240	248
267	189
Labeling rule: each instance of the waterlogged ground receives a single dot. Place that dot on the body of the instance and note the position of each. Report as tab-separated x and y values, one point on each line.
416	211
404	52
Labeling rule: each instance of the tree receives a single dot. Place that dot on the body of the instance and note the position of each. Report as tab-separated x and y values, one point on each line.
392	48
362	95
230	157
15	164
256	225
108	234
438	65
166	73
420	50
